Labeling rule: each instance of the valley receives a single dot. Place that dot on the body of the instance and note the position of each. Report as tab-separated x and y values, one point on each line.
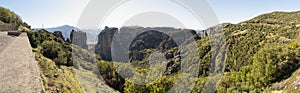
261	54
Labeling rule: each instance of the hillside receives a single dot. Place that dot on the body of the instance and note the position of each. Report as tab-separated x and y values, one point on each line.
55	60
261	52
9	19
262	55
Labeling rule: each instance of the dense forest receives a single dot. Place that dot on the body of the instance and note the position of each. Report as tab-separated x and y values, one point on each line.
262	55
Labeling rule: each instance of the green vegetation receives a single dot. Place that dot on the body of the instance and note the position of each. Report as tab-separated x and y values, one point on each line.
272	63
110	75
57	79
56	65
54	57
162	85
51	47
54	50
263	55
260	52
9	17
266	52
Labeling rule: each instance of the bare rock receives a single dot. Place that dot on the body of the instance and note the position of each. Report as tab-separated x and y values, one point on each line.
103	47
79	38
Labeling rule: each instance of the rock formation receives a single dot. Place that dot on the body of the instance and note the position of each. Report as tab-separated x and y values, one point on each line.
140	38
58	34
79	38
150	40
103	47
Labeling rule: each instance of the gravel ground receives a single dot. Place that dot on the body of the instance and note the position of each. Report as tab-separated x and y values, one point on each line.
19	72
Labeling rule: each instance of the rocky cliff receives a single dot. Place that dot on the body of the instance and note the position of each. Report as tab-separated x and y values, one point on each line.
79	38
136	39
103	47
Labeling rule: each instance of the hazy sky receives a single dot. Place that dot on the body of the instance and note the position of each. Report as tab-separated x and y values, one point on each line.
53	13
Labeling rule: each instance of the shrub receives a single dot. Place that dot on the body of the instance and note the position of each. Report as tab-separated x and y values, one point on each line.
38	37
54	50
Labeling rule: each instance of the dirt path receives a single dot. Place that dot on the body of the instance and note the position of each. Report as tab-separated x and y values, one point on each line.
19	72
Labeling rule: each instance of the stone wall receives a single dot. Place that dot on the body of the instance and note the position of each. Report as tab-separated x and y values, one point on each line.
5	27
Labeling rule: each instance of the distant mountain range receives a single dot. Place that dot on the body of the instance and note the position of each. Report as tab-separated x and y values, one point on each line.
66	30
92	34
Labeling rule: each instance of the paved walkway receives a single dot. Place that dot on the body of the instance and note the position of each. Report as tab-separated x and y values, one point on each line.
5	40
19	72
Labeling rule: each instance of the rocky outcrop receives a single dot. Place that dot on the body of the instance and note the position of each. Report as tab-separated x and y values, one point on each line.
58	34
103	47
150	40
79	38
140	38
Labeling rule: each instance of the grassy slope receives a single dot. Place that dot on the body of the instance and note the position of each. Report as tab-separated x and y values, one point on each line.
57	79
68	79
61	77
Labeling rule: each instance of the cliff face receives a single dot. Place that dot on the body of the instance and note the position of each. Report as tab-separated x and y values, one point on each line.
150	40
79	38
136	39
103	47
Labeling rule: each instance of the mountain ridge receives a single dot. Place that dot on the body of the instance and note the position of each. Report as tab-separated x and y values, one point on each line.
67	29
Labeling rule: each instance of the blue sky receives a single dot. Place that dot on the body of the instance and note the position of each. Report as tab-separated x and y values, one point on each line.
53	13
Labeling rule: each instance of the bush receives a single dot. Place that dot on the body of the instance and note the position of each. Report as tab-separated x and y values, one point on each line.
54	50
110	75
162	85
38	37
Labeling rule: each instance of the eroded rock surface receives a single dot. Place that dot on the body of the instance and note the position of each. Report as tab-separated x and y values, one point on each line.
79	38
